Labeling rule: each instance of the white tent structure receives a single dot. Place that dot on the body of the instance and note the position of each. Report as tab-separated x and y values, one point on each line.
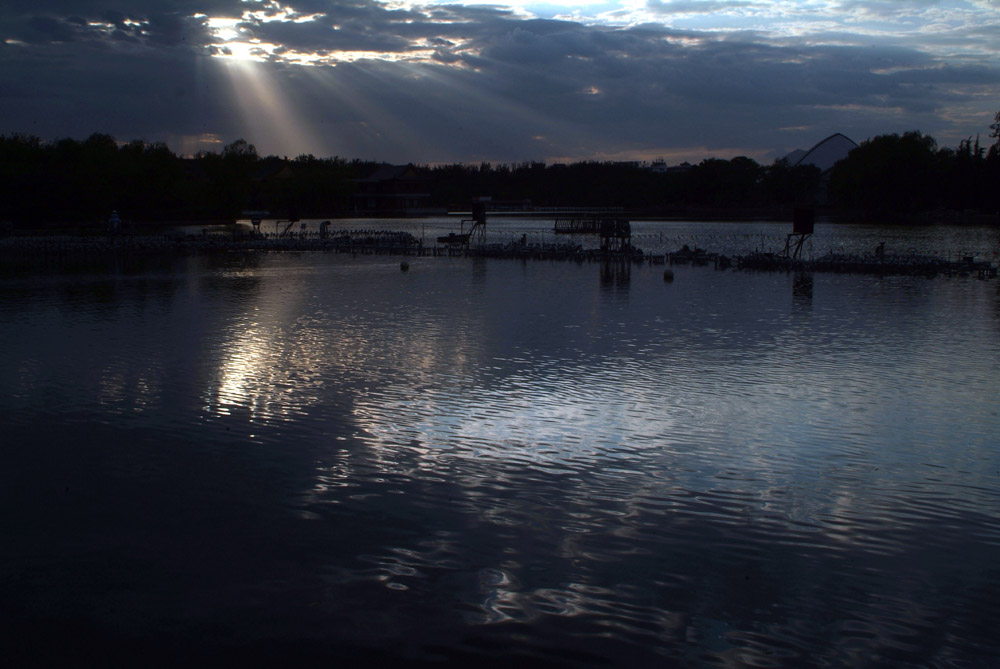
825	154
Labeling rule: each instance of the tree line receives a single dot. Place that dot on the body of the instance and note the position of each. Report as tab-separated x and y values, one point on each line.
84	181
894	176
886	177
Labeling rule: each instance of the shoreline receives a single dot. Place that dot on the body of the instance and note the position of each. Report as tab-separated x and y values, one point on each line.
697	215
44	250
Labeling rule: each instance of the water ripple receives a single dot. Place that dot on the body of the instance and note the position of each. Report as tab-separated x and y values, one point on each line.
470	455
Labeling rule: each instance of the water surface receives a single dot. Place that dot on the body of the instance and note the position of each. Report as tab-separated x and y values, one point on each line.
313	455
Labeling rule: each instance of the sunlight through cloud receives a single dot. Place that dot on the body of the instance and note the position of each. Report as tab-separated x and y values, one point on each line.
484	80
267	109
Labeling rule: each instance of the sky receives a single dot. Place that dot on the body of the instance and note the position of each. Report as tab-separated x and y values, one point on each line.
434	82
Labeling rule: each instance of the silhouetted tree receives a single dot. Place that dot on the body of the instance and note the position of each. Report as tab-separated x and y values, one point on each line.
23	176
724	183
70	180
787	185
995	134
889	175
241	151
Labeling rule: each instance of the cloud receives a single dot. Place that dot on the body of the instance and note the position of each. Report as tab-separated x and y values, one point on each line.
439	83
697	6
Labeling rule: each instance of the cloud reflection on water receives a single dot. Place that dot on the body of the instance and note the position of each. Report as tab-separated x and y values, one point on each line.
696	427
695	470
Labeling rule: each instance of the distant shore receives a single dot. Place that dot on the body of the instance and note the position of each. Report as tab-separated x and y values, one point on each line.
713	215
39	251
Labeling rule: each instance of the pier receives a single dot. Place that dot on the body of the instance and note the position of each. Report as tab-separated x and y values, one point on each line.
43	249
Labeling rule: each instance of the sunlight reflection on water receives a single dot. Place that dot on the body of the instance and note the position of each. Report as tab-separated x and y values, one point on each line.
729	468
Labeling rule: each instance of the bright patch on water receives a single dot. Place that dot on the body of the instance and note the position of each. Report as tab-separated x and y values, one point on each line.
322	455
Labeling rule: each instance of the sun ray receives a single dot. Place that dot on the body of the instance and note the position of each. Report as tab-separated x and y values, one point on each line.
378	123
270	115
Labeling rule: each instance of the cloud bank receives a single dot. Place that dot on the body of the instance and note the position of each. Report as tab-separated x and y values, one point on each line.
428	82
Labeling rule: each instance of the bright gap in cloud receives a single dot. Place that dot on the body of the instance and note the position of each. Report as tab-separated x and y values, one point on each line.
234	44
811	22
223	28
523	4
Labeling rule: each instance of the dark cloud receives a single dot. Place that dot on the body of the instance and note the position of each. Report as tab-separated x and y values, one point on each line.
106	26
48	29
948	75
73	92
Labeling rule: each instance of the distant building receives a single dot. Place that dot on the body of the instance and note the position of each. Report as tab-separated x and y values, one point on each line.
393	190
679	169
824	155
506	205
659	166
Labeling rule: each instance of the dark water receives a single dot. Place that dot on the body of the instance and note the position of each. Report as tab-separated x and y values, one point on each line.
296	457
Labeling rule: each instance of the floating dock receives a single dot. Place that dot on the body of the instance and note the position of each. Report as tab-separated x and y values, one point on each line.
577	226
41	249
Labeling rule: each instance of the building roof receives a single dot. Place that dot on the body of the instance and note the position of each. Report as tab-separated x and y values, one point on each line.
825	154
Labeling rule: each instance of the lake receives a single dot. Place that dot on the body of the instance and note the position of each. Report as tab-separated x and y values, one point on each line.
309	456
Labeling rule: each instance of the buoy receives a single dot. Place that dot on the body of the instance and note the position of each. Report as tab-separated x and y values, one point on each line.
668	275
404	266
